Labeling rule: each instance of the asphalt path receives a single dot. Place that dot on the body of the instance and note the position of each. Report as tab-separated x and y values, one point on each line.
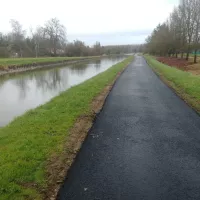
144	145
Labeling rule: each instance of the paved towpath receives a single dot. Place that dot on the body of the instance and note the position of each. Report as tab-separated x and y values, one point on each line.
144	145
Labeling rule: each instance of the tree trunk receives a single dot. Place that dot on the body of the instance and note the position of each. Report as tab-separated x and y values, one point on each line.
21	53
54	48
187	56
195	56
176	55
181	54
36	51
54	51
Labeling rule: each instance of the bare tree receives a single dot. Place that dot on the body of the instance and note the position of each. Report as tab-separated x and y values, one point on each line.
50	40
17	35
56	34
188	8
97	48
196	43
175	27
183	33
38	37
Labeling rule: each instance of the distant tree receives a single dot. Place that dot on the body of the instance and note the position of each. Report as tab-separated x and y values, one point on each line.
56	33
17	37
97	48
159	42
3	46
180	33
39	40
50	40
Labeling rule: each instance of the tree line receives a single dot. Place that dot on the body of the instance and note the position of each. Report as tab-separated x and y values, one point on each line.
180	34
51	40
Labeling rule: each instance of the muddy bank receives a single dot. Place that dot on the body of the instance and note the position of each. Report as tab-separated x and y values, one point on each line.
29	67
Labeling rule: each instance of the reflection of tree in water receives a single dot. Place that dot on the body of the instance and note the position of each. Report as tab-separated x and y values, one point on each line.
48	80
116	58
97	64
2	81
55	79
5	78
79	69
22	84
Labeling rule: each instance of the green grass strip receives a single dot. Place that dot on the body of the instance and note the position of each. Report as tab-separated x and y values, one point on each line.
28	141
184	83
22	61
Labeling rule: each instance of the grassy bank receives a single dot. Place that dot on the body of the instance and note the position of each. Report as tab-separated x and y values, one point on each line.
27	143
185	84
24	61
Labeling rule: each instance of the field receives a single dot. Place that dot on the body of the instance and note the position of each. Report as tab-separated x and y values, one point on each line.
186	84
24	61
31	141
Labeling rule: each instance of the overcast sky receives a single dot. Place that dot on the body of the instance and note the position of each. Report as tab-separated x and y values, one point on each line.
107	21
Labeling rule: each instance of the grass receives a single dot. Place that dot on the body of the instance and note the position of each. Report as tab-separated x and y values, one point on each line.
184	83
22	61
28	142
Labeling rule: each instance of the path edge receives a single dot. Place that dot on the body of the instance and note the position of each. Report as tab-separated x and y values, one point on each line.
77	136
177	91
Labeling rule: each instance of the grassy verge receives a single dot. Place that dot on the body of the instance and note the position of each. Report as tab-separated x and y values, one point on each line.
28	142
23	61
186	85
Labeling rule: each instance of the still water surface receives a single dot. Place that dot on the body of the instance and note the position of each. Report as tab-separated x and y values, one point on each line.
21	92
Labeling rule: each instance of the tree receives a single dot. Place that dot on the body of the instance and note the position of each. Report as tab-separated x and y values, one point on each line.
175	31
17	37
160	41
196	44
180	33
188	8
56	33
39	40
3	46
97	48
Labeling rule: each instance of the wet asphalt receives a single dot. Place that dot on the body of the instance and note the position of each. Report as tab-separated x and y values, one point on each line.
144	145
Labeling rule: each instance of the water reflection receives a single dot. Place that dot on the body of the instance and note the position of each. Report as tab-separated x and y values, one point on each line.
79	69
21	92
23	87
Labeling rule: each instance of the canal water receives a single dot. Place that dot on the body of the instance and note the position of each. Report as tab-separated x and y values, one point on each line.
24	91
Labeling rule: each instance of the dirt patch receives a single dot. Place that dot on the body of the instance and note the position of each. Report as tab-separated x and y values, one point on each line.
182	64
194	69
58	167
174	62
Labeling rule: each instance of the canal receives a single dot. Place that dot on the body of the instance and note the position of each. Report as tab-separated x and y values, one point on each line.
24	91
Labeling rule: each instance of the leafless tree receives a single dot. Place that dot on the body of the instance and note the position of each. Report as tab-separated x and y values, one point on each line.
196	40
56	34
38	37
183	33
50	40
17	37
189	12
